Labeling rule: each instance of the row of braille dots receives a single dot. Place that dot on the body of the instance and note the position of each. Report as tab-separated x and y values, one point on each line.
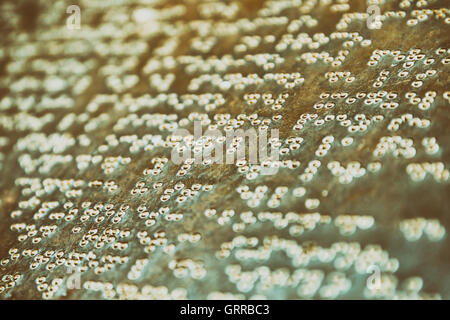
112	163
214	65
419	77
45	162
29	102
382	77
192	237
203	44
310	171
224	119
276	197
349	254
303	221
268	98
249	42
344	256
109	185
109	237
418	171
412	287
430	144
352	171
63	66
184	169
162	83
158	165
127	291
413	229
253	198
251	172
51	84
31	228
224	218
150	217
80	48
162	121
312	57
9	281
423	103
408	118
146	143
47	186
239	82
49	290
267	61
185	193
55	142
24	121
46	231
388	289
362	124
235	80
323	148
187	267
298	223
335	76
407	3
213	9
373	99
39	258
14	255
210	101
106	288
94	212
239	242
424	14
53	259
304	20
336	284
84	160
247	218
348	18
288	80
131	292
159	240
290	144
120	84
262	279
137	269
118	66
348	224
413	56
83	261
397	145
275	8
